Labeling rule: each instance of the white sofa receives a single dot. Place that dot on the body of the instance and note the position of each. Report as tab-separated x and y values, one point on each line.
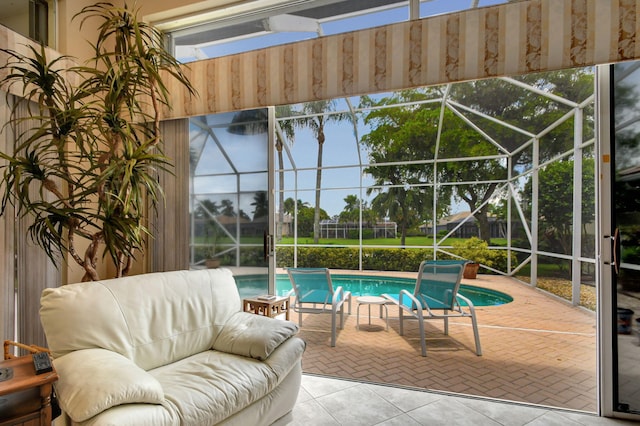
168	348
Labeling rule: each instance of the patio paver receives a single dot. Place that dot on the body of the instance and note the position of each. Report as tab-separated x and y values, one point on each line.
536	349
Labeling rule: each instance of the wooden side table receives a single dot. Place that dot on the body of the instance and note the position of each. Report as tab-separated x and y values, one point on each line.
269	308
25	398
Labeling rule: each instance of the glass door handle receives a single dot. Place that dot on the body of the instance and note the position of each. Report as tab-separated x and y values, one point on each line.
615	248
267	245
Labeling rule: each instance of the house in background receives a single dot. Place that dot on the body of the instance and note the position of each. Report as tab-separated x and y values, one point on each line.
464	225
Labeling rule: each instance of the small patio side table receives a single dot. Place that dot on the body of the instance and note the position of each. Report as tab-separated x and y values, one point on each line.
269	306
372	300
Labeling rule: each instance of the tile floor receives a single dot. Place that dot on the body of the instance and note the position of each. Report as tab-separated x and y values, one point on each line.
329	401
538	367
536	350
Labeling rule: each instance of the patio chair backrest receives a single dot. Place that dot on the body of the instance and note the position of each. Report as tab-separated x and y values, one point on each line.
438	283
311	285
447	262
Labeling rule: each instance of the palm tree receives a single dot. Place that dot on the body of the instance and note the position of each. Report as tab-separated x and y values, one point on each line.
260	204
206	208
284	130
404	206
290	206
226	208
315	117
351	211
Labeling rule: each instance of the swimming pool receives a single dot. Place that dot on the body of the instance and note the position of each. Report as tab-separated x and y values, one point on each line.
370	285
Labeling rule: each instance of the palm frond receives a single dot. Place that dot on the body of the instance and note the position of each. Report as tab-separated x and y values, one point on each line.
87	164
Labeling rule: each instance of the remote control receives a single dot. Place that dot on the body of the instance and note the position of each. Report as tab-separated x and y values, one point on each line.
6	373
42	362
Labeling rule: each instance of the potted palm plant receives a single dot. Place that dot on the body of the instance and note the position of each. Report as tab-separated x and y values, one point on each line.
86	166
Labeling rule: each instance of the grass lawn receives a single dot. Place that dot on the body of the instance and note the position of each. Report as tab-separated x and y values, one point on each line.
410	241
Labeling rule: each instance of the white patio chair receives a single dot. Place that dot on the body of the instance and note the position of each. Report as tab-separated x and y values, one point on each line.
436	297
314	294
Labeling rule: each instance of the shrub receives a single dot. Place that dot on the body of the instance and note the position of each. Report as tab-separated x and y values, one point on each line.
391	259
354	234
374	259
475	250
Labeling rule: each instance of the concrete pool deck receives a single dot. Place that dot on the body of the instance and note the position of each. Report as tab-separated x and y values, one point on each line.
536	349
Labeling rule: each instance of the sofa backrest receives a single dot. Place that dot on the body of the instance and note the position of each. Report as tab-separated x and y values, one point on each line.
152	319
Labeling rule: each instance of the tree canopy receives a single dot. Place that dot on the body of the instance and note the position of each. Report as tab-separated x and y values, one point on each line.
555	203
315	116
466	139
399	136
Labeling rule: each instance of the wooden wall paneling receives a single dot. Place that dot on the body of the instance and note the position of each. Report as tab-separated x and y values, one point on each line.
7	248
502	40
169	246
34	273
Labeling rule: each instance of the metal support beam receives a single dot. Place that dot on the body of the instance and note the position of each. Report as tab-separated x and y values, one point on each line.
576	251
535	181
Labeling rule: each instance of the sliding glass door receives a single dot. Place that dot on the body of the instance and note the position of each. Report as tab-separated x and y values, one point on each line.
230	202
621	244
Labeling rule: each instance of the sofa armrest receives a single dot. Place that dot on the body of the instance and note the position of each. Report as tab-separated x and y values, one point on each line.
94	380
253	335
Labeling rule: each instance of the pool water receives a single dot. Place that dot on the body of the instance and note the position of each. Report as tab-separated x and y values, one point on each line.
369	285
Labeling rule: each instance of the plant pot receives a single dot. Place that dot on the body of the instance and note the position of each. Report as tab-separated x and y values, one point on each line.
212	263
471	271
624	320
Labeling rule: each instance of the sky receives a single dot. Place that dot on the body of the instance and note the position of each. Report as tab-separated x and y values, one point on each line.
340	148
353	23
243	153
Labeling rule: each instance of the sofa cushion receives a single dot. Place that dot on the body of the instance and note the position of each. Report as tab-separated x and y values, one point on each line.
110	379
208	387
127	415
253	335
152	319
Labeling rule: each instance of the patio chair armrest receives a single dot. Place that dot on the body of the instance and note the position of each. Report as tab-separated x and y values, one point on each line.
338	295
467	301
417	312
414	300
